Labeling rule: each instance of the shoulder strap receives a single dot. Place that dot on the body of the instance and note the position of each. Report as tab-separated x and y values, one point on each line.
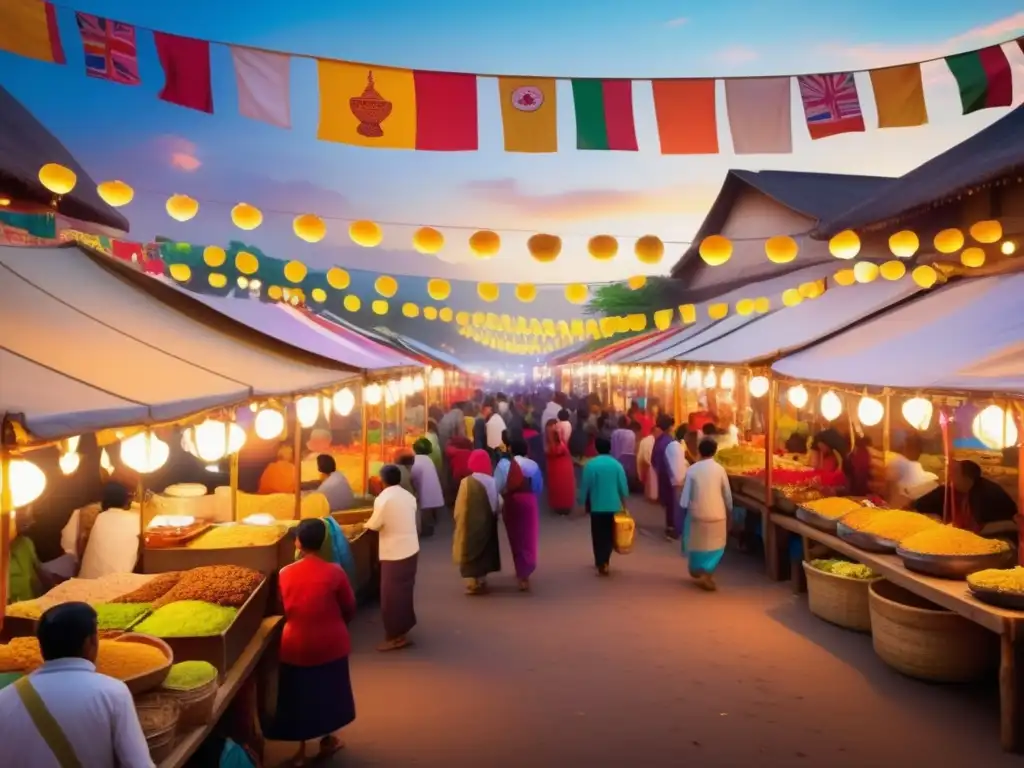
47	724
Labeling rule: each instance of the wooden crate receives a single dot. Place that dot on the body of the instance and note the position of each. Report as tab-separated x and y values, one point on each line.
267	559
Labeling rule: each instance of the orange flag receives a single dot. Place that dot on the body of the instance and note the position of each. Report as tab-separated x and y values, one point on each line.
529	115
29	28
899	96
685	111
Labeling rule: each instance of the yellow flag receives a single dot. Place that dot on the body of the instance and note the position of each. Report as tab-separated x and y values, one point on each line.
367	106
29	28
529	114
899	96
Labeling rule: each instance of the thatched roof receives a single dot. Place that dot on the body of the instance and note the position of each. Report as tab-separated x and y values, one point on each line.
25	146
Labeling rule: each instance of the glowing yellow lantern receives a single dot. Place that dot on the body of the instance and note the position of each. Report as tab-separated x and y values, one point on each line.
918	413
410	310
649	249
715	250
144	452
995	428
663	319
745	307
245	216
865	271
275	293
718	311
386	286
245	262
446	314
27	482
488	292
485	244
479	319
438	289
636	282
987	232
319	295
379	307
762	304
1008	248
797	396
214	256
117	193
791	297
430	313
373	394
845	277
462	318
781	249
637	322
427	240
309	227
831	406
904	244
526	292
758	386
544	248
344	401
892	270
217	280
213	440
180	272
57	179
949	241
688	313
268	424
295	271
925	276
870	411
338	278
603	247
181	207
367	234
352	303
845	245
576	293
972	257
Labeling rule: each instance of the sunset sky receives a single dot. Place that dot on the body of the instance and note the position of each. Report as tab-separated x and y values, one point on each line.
127	133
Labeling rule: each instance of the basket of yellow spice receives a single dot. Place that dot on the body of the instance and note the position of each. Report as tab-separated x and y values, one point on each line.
952	553
1003	587
193	684
881	530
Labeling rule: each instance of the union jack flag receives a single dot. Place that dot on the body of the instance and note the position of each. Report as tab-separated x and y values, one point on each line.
831	104
110	51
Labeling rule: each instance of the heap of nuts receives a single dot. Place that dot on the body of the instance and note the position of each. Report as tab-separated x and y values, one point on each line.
227	585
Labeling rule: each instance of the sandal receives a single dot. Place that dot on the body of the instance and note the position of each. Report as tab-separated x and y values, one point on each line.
394	645
330	745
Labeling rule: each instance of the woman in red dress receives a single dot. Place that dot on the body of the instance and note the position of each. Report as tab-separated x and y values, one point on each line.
561	479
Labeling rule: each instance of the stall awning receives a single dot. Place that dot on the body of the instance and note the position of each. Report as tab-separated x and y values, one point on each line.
95	349
965	336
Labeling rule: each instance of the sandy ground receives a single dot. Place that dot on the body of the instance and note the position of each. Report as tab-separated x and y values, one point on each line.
642	669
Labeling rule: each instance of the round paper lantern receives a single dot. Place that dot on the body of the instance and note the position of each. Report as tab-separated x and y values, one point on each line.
488	292
728	380
845	277
212	440
352	303
344	401
904	243
791	297
27	482
1008	248
797	396
811	290
526	292
718	311
485	244
295	272
758	386
831	406
987	232
379	307
181	207
319	295
246	263
217	280
745	307
338	278
949	241
865	271
427	240
781	249
410	310
386	286
663	319
972	257
438	289
430	313
462	318
57	179
845	245
69	462
445	315
245	216
544	248
144	452
180	272
715	250
603	247
688	313
117	193
649	249
870	411
995	428
214	256
367	234
762	304
925	276
309	227
893	270
917	411
269	424
372	394
307	411
275	293
576	293
637	322
636	282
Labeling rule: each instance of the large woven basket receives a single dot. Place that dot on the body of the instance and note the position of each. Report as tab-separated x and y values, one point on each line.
195	706
923	640
839	600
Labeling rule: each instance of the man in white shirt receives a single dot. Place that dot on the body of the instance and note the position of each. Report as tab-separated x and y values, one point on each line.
705	506
113	545
335	485
675	459
66	713
495	425
394	518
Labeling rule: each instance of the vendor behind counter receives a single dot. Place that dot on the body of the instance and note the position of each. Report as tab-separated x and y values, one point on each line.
982	505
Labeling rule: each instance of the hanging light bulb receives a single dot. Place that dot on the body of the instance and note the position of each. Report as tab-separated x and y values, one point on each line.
710	379
27	482
870	411
994	427
105	463
797	396
212	440
144	452
693	379
418	383
918	413
344	401
71	444
728	380
758	386
831	406
307	409
269	424
405	386
372	394
69	463
437	377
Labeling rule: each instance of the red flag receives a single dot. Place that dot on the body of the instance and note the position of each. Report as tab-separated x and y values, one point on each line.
186	64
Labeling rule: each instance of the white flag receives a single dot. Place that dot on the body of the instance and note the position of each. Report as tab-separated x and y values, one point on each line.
760	115
264	84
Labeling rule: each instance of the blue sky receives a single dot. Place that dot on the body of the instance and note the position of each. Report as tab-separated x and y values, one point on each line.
127	133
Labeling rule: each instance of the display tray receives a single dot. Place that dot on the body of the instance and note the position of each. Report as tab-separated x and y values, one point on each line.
953	566
350	516
148	681
865	541
1012	600
158	539
18	626
813	519
268	559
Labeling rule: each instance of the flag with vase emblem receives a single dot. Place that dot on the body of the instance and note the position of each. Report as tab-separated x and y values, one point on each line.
831	104
110	50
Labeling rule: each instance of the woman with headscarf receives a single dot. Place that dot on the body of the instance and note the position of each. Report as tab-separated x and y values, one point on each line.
561	472
475	544
519	481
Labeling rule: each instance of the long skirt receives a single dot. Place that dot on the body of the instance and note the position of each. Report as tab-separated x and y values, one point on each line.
522	524
487	557
397	585
312	702
561	483
602	536
628	462
704	544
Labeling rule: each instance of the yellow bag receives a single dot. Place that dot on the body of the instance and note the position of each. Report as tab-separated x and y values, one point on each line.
625	532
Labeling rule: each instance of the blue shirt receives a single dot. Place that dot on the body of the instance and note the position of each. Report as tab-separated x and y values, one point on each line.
604	483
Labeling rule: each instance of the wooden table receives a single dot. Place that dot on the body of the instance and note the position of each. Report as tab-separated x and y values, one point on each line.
954	596
190	741
772	554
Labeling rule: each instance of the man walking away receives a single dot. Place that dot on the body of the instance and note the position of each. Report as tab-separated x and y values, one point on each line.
603	491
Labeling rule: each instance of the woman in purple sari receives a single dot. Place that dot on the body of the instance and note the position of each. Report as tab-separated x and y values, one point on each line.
659	463
520	481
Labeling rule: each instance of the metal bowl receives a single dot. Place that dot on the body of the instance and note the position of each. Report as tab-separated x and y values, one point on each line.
866	541
1012	600
813	519
953	566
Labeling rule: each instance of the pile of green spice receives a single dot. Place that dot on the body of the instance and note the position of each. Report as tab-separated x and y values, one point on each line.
119	615
187	618
189	675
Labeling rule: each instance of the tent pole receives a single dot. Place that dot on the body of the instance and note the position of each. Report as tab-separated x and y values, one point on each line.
365	442
768	528
6	512
297	458
233	474
887	427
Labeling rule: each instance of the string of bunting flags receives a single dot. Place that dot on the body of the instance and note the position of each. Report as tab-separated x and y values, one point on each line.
376	106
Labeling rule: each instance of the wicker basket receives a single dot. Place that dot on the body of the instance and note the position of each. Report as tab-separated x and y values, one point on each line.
922	640
839	600
195	707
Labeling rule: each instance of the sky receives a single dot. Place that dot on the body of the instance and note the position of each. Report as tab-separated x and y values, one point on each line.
221	159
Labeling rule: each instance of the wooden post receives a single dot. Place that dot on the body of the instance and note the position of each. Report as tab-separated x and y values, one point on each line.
677	393
771	549
234	485
887	427
297	459
608	386
6	510
365	442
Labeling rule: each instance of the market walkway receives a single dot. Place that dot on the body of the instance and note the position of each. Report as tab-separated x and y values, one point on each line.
642	670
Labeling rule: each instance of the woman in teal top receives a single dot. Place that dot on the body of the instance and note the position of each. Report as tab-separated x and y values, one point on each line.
603	492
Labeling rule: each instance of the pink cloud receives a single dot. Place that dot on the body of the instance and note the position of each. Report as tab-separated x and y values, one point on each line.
185	162
677	22
735	55
180	153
